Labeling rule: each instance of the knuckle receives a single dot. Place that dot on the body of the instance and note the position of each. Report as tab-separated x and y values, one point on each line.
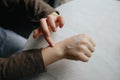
84	35
86	60
92	50
78	56
84	41
89	55
42	19
53	26
61	17
46	33
49	16
81	47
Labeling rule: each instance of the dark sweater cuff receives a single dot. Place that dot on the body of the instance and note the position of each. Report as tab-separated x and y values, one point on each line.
25	64
38	60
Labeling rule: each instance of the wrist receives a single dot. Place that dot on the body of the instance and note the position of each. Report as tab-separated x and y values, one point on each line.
51	55
60	50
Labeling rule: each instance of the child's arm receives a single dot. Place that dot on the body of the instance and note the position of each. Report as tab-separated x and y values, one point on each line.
79	47
33	62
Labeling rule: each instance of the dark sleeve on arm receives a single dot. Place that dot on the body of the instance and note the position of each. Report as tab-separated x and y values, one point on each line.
26	63
23	11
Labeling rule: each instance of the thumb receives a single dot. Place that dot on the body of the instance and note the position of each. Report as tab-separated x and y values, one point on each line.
37	33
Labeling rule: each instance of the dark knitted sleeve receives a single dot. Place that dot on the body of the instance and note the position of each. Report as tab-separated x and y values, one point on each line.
23	12
24	64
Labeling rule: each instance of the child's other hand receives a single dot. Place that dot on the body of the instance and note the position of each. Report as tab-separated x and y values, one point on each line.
47	25
79	47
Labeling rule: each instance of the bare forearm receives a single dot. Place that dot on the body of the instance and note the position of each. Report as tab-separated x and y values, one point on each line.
51	55
79	47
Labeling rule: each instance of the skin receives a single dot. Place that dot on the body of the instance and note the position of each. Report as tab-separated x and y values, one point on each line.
79	47
47	25
82	51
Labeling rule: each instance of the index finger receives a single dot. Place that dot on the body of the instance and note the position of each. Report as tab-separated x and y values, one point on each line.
44	27
49	40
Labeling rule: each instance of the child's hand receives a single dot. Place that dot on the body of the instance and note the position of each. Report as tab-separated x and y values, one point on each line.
47	25
79	47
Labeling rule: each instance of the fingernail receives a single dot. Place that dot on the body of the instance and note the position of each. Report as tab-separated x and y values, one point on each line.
61	26
55	30
52	45
34	36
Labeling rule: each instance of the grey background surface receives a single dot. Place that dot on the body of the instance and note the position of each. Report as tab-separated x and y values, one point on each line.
99	19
